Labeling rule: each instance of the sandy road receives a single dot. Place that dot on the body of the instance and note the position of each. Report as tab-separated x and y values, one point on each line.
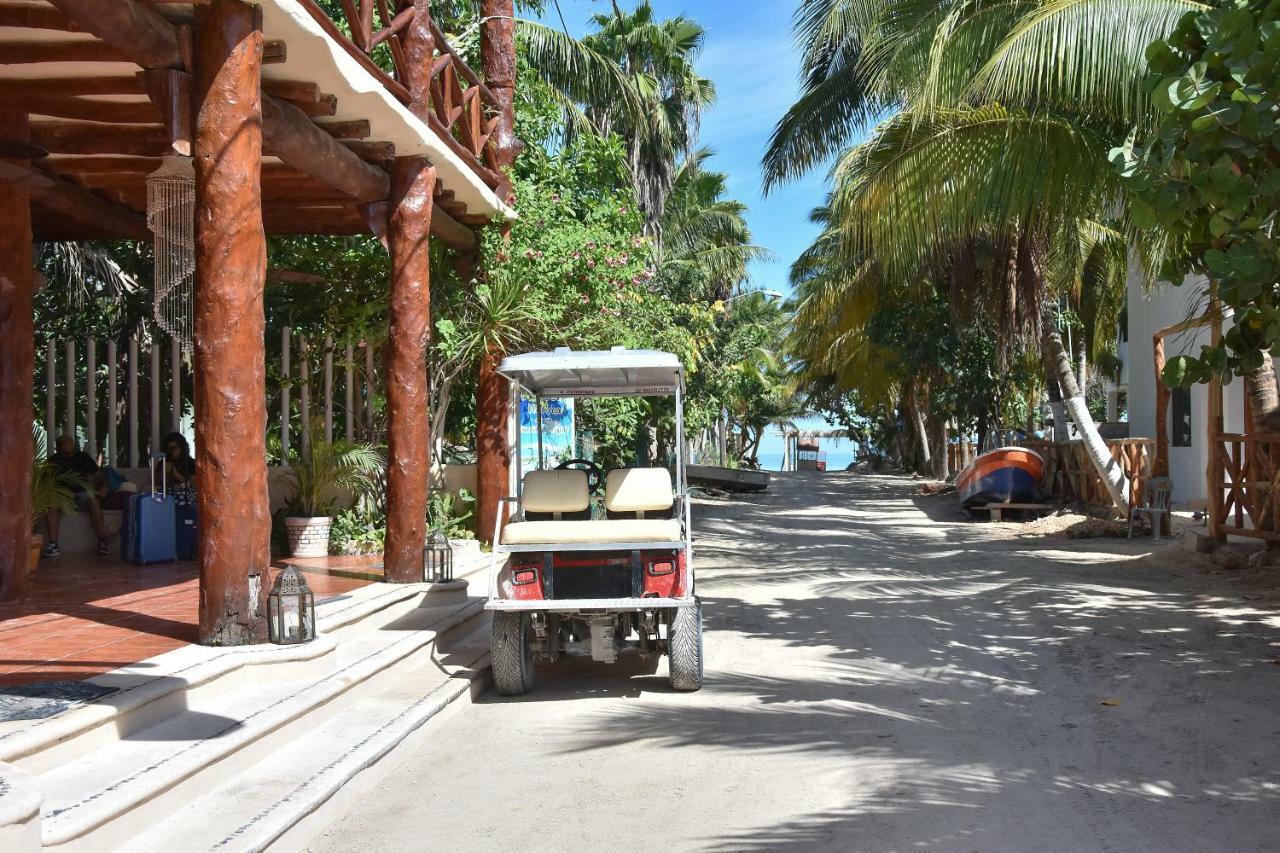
880	680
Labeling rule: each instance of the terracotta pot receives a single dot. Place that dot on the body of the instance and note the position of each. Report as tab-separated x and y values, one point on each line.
33	561
308	537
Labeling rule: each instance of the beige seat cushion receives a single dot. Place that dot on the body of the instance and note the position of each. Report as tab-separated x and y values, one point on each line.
555	491
638	490
578	532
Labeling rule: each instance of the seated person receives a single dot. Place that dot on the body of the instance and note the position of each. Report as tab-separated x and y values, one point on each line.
179	469
70	459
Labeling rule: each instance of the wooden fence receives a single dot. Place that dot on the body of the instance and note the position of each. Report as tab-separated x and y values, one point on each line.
1069	474
121	398
1242	491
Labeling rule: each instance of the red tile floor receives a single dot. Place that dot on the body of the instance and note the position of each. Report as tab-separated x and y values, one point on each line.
84	616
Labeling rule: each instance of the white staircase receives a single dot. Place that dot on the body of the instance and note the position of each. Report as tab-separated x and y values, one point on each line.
241	749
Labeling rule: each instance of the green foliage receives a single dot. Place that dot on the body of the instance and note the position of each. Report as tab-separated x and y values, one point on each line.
1209	173
327	473
51	488
449	513
358	530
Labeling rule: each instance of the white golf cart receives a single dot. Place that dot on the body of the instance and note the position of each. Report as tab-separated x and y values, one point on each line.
591	562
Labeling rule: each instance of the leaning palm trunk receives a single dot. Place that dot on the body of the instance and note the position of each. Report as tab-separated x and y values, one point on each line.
1059	412
1264	397
1059	365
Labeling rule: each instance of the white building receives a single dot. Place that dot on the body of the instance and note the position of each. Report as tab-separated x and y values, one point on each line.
1163	306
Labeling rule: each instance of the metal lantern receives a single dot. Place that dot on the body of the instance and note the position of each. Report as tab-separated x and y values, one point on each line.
291	609
437	558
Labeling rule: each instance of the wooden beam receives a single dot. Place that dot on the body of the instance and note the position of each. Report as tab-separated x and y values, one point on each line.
116	112
33	52
67	86
357	129
148	37
371	152
21	150
293	90
72	137
291	136
35	16
103	165
279	276
71	200
323	107
274	52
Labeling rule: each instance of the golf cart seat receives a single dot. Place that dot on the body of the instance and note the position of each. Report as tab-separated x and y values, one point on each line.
631	492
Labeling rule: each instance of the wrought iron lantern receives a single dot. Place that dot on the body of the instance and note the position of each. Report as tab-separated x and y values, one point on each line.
291	609
437	560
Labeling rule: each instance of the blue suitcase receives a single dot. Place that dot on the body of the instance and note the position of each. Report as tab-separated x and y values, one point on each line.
148	532
188	532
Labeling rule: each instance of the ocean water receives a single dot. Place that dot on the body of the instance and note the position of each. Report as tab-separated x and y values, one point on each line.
837	460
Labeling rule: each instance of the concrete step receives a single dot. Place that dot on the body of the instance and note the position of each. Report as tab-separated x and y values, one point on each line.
187	722
298	790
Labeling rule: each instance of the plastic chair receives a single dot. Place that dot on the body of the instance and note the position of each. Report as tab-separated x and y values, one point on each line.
1156	494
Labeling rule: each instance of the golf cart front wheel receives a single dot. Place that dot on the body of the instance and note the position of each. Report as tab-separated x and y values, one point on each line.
684	647
511	653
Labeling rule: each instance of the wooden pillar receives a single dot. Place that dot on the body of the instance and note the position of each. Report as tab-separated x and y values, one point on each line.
229	357
1160	464
413	182
17	364
493	463
1214	431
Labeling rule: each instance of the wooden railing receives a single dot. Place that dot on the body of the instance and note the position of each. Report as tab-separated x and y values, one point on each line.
463	111
1069	475
1242	491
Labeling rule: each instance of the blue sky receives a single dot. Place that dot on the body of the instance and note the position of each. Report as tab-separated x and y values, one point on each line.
750	55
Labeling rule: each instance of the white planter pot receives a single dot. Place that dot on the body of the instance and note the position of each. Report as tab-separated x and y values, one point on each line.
308	537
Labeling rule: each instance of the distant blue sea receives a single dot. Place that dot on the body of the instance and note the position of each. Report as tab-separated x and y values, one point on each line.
837	460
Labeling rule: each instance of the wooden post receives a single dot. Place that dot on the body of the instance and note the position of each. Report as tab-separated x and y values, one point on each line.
368	391
230	357
493	462
304	393
17	367
50	390
1214	430
175	385
153	440
350	394
69	417
284	396
113	449
133	402
328	388
91	397
407	388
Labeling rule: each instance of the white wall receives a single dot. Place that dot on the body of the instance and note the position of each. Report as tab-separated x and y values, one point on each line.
1163	306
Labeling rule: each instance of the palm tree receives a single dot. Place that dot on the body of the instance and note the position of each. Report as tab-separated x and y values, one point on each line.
706	234
1027	171
633	76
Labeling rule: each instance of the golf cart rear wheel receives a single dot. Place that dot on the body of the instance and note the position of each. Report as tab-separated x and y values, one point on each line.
511	653
684	647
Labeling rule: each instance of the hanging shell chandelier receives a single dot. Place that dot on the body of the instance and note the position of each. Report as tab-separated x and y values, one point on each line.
171	204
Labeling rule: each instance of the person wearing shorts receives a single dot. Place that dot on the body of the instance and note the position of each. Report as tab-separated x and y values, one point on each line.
70	459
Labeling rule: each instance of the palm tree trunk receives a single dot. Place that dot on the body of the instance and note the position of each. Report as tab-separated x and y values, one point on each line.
1264	396
1058	363
1060	430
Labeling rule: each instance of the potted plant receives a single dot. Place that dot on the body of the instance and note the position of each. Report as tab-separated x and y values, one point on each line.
321	477
51	489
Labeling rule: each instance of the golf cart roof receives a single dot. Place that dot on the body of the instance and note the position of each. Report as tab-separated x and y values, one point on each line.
619	372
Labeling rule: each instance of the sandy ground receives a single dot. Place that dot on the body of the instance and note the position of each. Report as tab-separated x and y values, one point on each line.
884	675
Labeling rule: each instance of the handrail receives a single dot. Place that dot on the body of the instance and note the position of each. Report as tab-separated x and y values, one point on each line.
464	117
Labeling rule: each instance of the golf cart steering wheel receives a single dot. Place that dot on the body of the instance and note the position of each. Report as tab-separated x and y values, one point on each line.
595	477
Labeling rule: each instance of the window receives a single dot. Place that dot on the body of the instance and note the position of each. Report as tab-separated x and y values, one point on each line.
1181	417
